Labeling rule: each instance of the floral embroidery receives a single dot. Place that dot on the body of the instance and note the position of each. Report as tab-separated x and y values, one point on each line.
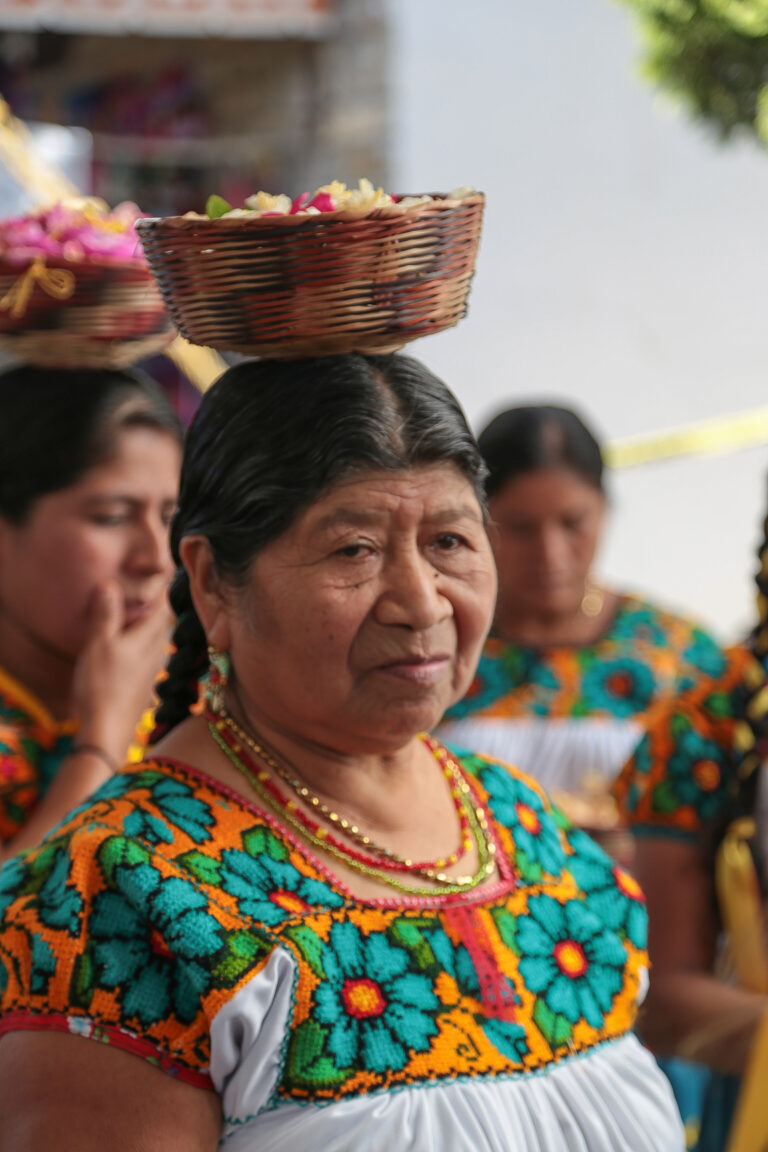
570	959
158	970
378	1010
538	847
681	773
615	896
645	654
139	940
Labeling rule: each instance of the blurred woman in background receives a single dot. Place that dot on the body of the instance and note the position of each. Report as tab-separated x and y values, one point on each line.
572	668
89	464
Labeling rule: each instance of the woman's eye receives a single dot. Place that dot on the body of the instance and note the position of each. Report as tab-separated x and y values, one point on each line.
109	521
354	551
450	541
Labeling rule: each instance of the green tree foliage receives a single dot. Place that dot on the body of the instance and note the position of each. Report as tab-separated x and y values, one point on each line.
712	55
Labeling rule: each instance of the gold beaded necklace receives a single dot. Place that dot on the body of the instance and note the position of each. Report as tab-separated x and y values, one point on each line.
458	787
286	809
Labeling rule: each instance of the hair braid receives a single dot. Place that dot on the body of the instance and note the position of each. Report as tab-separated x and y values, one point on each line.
179	691
753	736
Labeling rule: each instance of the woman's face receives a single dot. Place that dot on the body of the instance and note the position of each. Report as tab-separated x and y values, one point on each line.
111	525
364	620
546	528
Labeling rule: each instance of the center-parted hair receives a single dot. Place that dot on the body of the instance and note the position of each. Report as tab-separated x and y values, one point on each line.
268	439
531	437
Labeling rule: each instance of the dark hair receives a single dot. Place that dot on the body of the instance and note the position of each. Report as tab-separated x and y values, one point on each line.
530	437
55	424
753	705
271	436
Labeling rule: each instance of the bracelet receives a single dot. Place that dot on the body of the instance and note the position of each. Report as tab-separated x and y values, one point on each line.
95	750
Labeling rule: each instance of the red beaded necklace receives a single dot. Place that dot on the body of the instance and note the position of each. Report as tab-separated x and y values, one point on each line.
377	862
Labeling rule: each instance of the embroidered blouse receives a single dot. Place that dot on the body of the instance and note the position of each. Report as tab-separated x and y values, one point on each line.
33	746
571	716
681	775
171	918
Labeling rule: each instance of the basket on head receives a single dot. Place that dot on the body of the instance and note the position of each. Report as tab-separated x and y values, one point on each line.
57	313
334	282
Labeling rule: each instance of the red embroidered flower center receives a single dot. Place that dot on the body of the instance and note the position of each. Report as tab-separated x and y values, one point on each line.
159	946
363	998
620	683
627	884
570	958
706	774
288	901
528	818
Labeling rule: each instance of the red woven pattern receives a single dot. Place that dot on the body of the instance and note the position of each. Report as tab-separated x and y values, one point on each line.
335	282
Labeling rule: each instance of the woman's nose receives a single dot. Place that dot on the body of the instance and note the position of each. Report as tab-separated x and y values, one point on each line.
551	546
151	552
411	595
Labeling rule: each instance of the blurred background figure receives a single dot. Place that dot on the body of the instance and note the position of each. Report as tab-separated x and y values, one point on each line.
700	822
572	668
89	464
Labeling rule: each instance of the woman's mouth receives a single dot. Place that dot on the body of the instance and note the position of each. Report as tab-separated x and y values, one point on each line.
422	670
135	610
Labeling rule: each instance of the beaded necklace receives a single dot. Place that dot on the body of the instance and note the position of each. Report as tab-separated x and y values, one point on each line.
319	837
458	788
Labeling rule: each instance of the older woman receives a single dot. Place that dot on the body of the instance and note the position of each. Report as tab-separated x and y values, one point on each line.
304	923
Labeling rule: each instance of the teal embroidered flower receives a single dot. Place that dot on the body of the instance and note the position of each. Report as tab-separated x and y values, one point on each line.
153	940
378	1010
620	687
569	959
695	775
612	894
272	891
12	875
537	843
495	677
704	655
639	623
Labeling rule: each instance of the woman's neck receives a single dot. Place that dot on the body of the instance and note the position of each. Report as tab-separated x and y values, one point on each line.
43	672
577	627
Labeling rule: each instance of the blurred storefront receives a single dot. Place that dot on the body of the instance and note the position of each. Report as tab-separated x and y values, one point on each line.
187	97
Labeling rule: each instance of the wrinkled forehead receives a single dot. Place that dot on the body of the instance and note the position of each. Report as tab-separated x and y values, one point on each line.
403	497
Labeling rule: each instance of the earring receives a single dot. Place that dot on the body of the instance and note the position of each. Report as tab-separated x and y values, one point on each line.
593	599
216	680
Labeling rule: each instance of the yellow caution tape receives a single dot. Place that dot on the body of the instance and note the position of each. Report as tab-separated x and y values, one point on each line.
720	434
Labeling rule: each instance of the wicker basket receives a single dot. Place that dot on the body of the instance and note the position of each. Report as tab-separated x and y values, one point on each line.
331	283
59	314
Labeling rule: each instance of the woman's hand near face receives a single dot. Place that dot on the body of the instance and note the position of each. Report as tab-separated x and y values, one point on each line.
116	671
79	1096
112	687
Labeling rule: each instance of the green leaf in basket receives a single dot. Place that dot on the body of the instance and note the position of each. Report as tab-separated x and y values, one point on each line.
216	206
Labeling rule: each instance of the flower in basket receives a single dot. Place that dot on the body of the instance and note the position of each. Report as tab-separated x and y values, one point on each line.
331	197
77	229
70	231
75	287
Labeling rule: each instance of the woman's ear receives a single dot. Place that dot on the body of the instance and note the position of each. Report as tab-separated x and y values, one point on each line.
209	592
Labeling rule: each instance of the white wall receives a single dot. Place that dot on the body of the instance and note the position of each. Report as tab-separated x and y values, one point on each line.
623	266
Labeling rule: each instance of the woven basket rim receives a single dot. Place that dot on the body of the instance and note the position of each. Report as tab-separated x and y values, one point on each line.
439	203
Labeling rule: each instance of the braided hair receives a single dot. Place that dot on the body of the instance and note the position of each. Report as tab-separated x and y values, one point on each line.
268	439
752	736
